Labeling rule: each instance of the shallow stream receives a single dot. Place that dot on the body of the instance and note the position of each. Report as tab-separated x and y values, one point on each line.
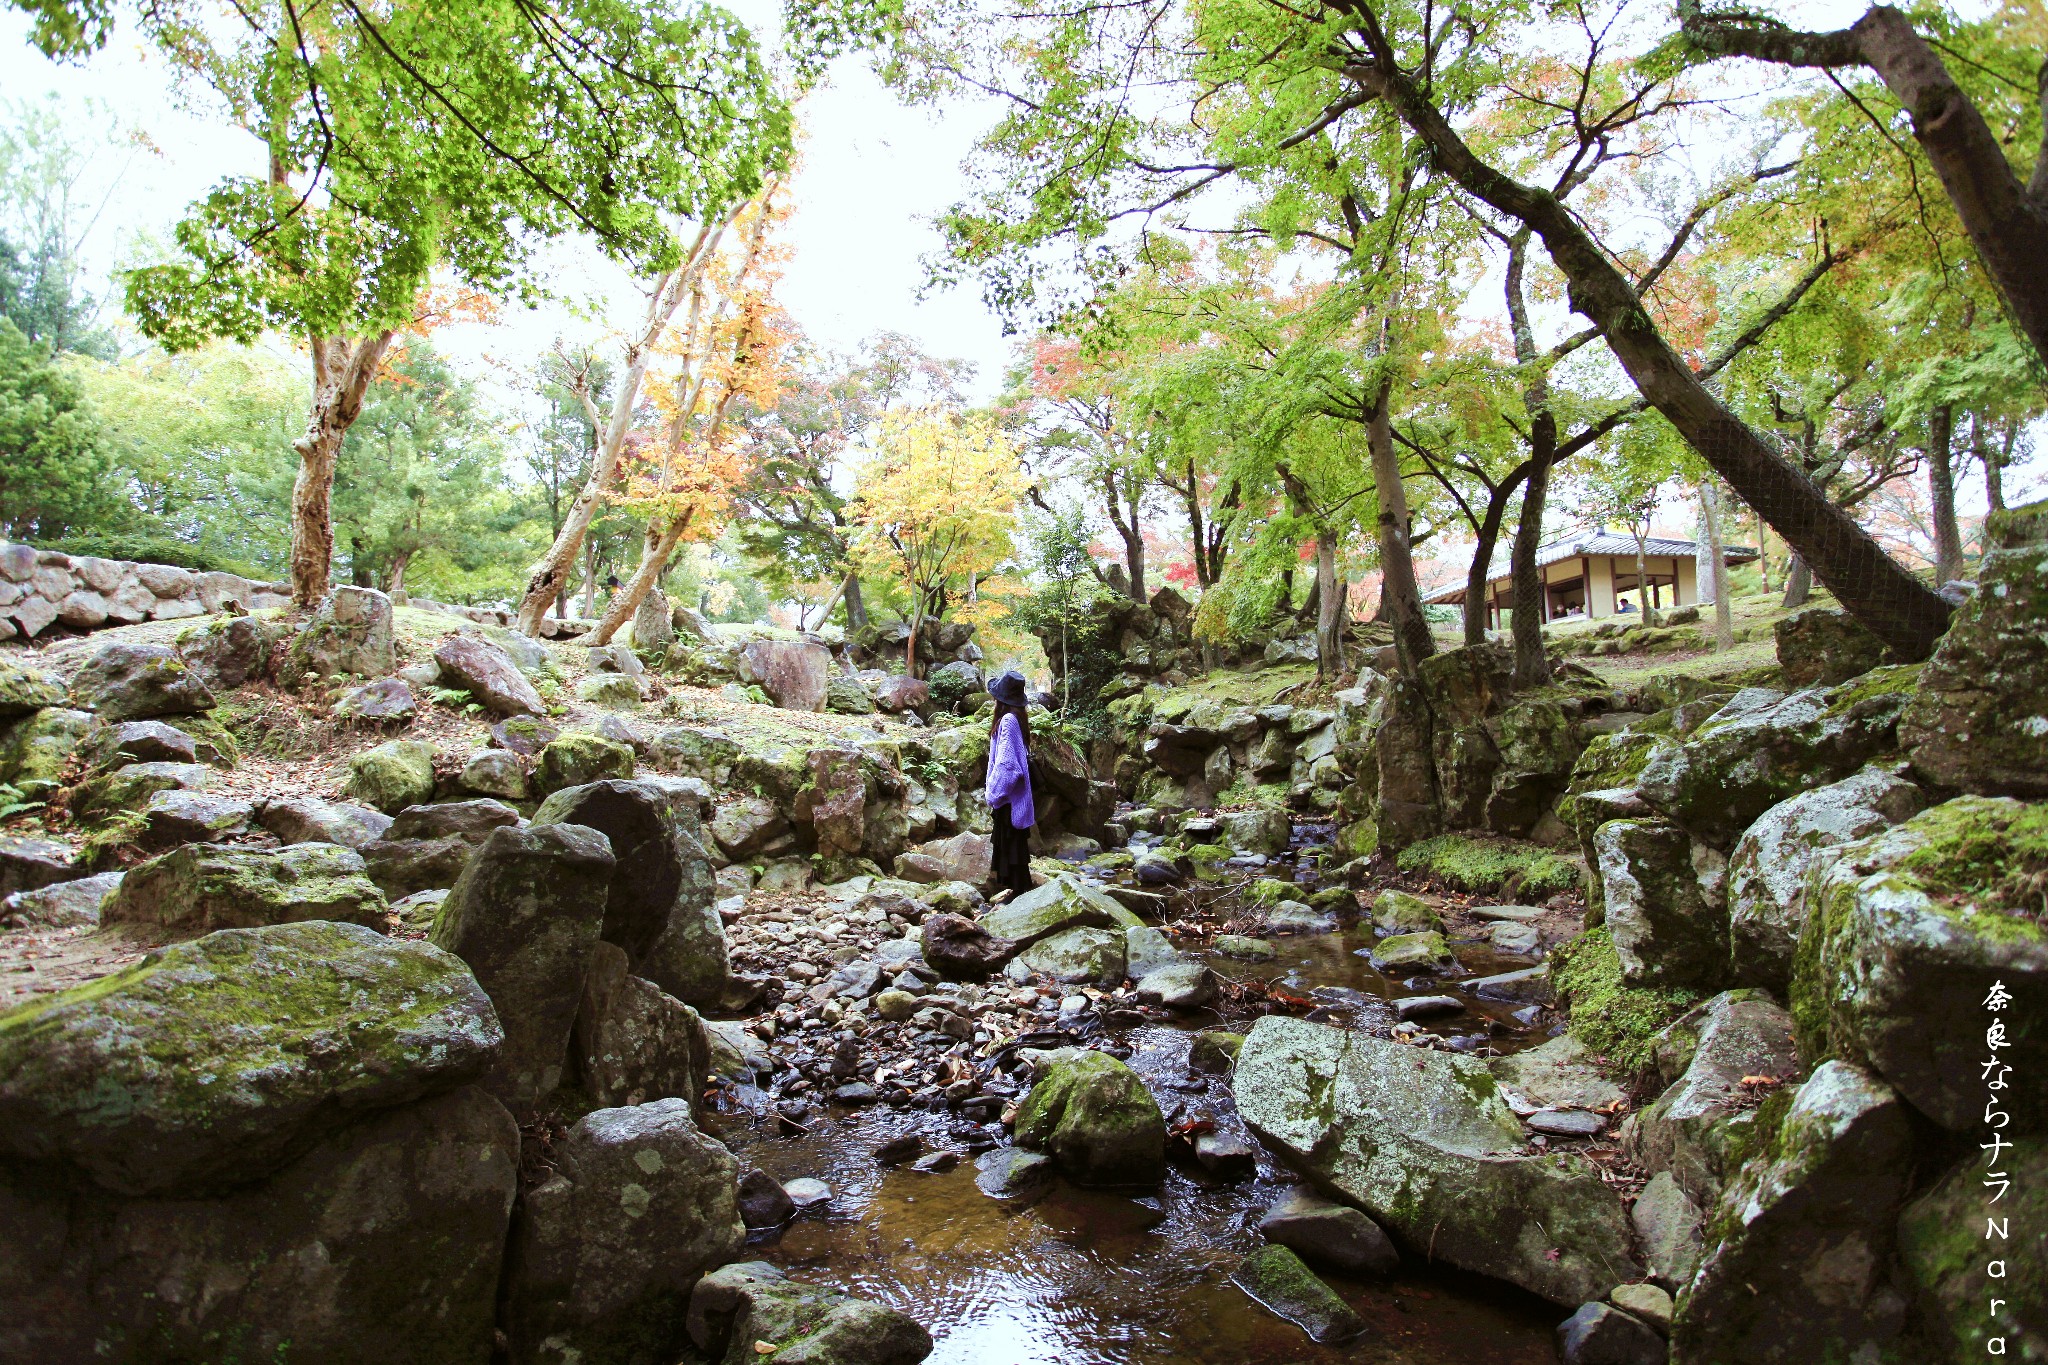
1092	1277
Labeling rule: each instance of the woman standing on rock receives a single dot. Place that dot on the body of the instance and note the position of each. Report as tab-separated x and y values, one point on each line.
1009	784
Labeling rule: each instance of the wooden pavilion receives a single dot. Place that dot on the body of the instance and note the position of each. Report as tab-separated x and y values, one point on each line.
1594	575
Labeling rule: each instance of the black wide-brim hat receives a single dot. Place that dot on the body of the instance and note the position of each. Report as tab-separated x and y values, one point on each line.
1007	687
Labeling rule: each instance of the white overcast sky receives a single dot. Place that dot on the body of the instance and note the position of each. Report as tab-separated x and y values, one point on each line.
874	173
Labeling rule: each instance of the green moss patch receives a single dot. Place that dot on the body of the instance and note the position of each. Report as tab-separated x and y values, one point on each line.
1490	865
1610	1018
1985	856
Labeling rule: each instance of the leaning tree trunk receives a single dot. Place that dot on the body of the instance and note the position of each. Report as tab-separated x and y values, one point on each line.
1873	587
342	371
1941	491
1717	566
1398	590
660	542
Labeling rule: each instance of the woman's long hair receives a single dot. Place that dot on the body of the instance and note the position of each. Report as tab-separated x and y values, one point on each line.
995	723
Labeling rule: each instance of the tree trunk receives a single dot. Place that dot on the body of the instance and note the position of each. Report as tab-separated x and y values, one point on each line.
1994	464
1329	608
659	543
1941	494
1479	575
1649	612
589	580
342	371
1532	665
1889	601
1717	566
1763	553
1798	583
396	588
1398	590
552	573
856	605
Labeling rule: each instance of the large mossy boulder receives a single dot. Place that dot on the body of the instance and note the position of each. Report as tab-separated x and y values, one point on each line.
382	1241
392	776
1094	957
658	904
737	1307
349	633
1774	862
24	690
856	804
202	887
1799	1246
1906	934
1063	903
1094	1117
525	916
633	1041
213	1063
1976	721
125	681
1664	907
1825	646
228	651
36	749
578	759
1424	1144
608	1248
1761	748
1946	1255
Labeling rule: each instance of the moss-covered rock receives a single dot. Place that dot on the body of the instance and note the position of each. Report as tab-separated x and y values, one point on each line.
1616	1022
1065	902
1825	645
1946	1256
1402	912
525	916
392	776
25	690
1719	1058
349	633
1774	862
736	1307
1979	720
578	758
35	749
127	789
382	1242
1095	1118
1077	956
1762	748
1800	1244
1280	1281
1906	933
633	1041
214	1062
609	689
202	887
1425	951
1504	866
639	1204
124	681
658	902
1664	907
1424	1144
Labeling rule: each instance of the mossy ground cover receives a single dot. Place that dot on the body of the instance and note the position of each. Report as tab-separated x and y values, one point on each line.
1610	1018
1486	866
1984	855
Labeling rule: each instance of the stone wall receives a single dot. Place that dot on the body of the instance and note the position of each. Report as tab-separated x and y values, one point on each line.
40	589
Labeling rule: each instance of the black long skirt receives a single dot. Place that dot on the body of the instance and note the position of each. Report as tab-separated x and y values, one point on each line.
1012	869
